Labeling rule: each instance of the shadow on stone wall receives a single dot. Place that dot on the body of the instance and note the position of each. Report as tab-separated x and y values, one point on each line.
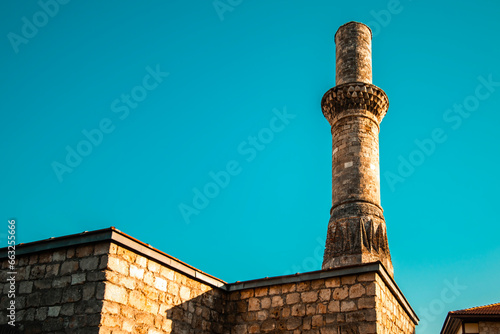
222	312
205	313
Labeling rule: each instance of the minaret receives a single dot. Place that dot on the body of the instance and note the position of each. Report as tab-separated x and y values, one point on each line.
354	108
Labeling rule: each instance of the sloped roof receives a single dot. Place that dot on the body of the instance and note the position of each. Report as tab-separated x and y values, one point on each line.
454	319
492	309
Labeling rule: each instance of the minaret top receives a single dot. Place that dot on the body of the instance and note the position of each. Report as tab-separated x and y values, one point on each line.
354	53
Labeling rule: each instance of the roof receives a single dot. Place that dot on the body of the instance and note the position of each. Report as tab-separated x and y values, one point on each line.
454	319
114	235
492	309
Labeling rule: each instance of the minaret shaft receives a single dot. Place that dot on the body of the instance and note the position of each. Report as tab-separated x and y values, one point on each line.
354	109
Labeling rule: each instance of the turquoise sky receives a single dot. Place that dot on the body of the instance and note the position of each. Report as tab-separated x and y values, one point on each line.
119	113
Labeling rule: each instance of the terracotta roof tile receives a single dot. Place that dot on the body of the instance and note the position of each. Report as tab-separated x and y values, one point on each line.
493	309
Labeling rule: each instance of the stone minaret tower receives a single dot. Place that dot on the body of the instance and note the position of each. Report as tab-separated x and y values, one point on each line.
354	108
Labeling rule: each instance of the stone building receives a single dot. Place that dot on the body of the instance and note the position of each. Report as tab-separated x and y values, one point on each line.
108	282
475	320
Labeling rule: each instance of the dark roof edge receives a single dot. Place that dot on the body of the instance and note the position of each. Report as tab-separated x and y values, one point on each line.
450	325
114	235
391	283
301	277
453	320
59	242
168	260
475	316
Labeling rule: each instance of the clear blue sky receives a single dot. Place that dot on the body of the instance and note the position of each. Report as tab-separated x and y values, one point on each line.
177	90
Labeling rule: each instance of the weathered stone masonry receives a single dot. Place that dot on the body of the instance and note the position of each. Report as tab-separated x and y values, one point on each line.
354	108
107	282
58	289
489	327
145	296
105	287
336	304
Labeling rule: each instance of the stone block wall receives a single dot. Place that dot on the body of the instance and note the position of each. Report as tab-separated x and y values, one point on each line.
106	288
489	327
337	305
391	317
58	291
144	296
